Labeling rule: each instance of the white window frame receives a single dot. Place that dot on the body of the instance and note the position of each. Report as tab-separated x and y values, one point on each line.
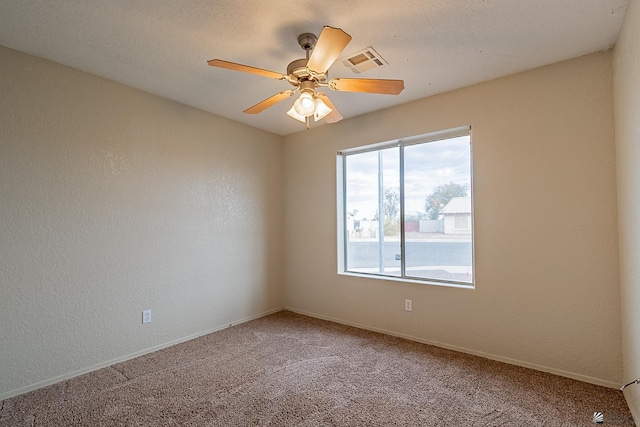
342	214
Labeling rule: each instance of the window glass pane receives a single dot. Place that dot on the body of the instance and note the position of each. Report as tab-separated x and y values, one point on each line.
438	211
372	204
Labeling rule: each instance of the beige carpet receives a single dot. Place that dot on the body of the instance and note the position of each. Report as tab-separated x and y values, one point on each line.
291	370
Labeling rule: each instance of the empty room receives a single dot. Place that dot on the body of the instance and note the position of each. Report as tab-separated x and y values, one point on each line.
340	213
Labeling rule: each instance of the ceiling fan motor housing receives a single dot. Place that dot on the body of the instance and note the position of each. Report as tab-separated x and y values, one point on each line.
297	70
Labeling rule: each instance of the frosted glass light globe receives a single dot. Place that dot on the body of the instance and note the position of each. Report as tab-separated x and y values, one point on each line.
305	105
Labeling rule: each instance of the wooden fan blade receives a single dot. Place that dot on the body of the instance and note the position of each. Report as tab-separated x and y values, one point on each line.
331	42
245	69
334	115
387	87
272	100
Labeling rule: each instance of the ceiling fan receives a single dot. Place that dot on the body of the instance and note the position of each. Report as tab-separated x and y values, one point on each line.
310	73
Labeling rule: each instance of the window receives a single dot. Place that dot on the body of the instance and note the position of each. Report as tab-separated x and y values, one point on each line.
405	209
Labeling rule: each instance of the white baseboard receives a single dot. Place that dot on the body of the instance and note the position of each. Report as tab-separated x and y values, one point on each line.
560	372
77	372
63	377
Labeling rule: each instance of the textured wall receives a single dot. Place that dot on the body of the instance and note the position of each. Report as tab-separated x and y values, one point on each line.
547	292
113	201
626	66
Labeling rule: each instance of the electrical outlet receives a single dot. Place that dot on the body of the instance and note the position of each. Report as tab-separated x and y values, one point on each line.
408	305
146	316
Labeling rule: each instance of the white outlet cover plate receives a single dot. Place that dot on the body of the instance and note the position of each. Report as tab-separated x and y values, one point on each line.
146	316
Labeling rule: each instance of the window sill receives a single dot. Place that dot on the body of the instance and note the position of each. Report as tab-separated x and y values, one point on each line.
408	280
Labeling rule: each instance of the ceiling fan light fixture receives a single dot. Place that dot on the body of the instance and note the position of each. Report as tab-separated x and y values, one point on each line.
319	110
294	114
305	105
322	110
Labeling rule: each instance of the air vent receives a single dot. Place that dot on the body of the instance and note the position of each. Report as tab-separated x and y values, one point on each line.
366	59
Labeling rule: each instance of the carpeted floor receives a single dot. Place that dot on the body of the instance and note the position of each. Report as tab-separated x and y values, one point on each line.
292	370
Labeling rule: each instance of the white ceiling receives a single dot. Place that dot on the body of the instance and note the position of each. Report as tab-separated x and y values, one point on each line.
161	46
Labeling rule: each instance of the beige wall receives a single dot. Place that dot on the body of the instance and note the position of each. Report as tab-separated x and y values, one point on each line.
113	201
626	66
547	292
